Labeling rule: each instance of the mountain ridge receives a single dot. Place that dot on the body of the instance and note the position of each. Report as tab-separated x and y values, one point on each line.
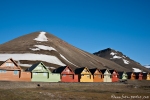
121	59
55	49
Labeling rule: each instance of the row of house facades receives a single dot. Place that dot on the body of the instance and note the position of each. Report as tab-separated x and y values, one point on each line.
11	71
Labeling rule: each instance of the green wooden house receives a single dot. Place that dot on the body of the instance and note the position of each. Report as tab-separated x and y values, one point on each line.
40	73
123	75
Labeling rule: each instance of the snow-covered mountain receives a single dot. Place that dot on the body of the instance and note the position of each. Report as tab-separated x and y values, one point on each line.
147	66
54	52
121	59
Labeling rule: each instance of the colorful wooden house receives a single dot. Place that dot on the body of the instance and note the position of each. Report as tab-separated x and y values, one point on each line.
97	75
114	75
11	71
107	75
148	76
84	74
40	73
123	75
67	74
131	75
139	75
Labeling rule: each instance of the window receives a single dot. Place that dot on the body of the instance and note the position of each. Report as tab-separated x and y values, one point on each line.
8	64
2	71
71	76
89	76
35	73
44	74
82	74
99	76
16	72
64	75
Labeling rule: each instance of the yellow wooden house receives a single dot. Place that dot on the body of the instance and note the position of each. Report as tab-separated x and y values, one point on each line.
84	74
148	76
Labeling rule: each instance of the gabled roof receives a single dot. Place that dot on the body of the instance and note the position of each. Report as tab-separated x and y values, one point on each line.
80	70
121	73
94	70
112	70
35	65
129	73
61	69
103	70
1	63
145	74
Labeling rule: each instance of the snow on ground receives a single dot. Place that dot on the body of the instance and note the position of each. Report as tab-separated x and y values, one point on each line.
136	70
112	53
32	57
42	37
25	65
42	47
147	66
67	60
116	57
125	61
123	56
35	49
52	67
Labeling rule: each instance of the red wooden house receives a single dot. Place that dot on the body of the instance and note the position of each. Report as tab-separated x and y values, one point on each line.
11	71
114	75
141	75
67	74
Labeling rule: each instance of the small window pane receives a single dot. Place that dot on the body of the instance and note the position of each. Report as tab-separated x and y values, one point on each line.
44	74
16	72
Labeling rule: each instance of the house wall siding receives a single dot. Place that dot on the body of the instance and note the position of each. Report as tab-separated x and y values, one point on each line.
39	77
25	76
97	78
148	77
86	78
9	76
54	77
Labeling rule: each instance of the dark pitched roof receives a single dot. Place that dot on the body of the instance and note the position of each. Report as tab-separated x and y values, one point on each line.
145	74
1	63
59	70
79	70
111	71
129	73
120	72
103	70
93	70
33	66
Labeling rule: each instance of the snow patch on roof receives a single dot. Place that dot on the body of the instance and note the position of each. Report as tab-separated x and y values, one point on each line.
42	47
136	70
125	61
32	57
112	53
42	37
